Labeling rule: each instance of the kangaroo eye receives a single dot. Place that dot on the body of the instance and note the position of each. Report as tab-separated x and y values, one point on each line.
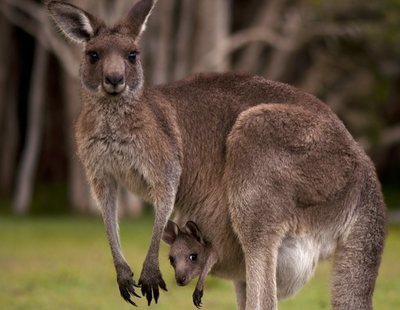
132	56
172	260
93	57
193	257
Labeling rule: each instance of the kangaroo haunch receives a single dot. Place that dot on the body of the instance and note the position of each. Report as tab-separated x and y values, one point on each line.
254	163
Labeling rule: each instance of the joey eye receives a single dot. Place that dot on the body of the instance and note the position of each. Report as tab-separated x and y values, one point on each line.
193	257
171	260
93	57
132	56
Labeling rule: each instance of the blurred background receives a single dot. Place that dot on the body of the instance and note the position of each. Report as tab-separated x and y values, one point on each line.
346	52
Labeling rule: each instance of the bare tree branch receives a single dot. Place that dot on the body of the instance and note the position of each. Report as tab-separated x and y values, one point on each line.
212	34
23	22
280	58
339	30
243	38
38	26
184	36
30	8
162	62
388	138
268	17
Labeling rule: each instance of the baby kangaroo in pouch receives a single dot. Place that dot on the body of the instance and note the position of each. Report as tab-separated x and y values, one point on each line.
191	256
269	174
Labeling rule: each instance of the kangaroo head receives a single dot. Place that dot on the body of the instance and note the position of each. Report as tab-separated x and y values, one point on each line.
188	251
111	63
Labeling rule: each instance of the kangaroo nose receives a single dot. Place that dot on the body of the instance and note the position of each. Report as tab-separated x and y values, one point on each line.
181	280
114	80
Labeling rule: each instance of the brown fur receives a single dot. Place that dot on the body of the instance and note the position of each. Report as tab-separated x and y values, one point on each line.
249	160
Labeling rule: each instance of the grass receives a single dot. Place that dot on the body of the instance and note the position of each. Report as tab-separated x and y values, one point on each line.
64	263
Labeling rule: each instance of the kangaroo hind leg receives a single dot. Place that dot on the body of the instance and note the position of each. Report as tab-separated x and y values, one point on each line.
357	258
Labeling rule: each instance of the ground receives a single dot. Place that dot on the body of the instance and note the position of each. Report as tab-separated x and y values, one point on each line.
64	263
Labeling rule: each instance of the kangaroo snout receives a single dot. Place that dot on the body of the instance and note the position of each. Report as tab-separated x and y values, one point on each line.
181	280
114	83
114	71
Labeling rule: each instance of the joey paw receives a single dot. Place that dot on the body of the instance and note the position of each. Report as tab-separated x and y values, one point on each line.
197	295
150	281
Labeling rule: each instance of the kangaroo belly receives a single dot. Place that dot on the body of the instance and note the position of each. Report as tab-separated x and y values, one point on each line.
297	260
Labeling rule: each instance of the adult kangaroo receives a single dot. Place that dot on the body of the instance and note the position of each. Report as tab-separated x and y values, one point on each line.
276	160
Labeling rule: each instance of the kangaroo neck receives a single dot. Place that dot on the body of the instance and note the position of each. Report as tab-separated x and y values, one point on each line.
104	103
118	110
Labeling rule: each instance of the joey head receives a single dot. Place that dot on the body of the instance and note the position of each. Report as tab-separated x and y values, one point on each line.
190	256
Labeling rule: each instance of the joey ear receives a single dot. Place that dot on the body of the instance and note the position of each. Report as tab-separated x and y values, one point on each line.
74	22
170	233
192	229
136	20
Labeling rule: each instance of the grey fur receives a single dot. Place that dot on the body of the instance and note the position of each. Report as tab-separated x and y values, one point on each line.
297	260
253	162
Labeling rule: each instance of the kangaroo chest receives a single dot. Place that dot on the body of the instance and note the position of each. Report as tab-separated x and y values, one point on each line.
112	148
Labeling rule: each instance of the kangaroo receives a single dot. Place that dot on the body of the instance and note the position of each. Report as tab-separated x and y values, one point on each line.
268	160
191	256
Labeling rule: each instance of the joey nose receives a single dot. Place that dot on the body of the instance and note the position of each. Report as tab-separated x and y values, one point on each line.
181	280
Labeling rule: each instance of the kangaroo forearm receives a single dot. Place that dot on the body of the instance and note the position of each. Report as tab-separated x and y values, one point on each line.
154	248
163	209
163	194
200	284
202	280
211	261
105	190
111	226
198	292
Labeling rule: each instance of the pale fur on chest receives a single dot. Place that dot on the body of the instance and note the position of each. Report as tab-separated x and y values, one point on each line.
112	148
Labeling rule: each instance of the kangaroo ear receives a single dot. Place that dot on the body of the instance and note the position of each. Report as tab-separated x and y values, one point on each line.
170	233
192	229
137	18
74	22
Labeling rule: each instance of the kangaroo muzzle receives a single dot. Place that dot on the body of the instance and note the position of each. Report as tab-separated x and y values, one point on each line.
114	84
114	80
182	280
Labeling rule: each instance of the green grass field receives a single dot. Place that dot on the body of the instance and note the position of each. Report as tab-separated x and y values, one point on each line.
64	263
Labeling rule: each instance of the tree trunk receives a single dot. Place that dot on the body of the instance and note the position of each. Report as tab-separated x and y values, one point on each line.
183	49
28	164
5	38
213	27
162	60
279	60
268	16
8	108
79	193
